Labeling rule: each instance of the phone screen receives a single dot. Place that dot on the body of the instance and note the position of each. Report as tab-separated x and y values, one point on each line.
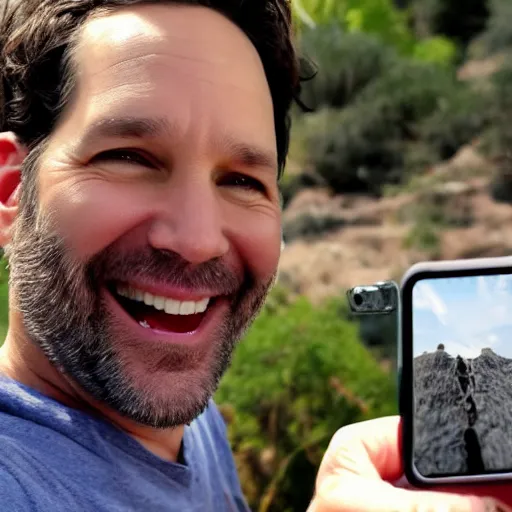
462	375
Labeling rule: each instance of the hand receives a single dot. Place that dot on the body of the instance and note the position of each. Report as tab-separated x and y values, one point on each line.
361	464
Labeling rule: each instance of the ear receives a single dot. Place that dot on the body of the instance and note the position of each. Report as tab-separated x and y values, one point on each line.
12	155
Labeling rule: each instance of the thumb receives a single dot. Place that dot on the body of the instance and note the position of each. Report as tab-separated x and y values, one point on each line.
355	494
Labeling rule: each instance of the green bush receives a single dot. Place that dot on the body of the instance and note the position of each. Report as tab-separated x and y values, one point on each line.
382	19
379	18
459	20
369	144
299	375
457	120
345	62
425	237
309	13
497	140
355	149
435	210
411	91
498	33
418	156
436	50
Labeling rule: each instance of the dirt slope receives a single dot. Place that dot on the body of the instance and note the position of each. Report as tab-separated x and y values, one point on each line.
335	242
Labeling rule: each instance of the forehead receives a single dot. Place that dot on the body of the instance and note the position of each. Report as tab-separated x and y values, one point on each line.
198	37
185	62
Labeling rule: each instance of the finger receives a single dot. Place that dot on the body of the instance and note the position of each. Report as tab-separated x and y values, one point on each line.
353	494
501	492
370	449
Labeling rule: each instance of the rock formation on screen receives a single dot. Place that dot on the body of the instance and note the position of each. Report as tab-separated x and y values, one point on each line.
463	413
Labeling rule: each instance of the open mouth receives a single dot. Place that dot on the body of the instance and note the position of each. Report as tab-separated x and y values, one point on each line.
161	313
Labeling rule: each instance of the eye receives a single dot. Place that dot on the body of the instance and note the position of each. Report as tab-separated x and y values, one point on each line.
126	155
242	181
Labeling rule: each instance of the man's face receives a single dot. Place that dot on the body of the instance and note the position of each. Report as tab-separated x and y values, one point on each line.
158	223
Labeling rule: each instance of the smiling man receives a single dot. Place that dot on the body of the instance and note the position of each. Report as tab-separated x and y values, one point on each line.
141	146
140	214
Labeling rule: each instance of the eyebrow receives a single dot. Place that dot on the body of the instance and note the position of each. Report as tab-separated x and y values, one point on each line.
245	154
249	155
126	128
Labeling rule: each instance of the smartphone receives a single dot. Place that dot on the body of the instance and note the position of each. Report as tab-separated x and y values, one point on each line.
456	371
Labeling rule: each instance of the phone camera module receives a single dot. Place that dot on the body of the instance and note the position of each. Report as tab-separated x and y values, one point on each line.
358	299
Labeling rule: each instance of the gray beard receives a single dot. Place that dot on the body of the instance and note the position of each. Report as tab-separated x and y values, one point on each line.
64	315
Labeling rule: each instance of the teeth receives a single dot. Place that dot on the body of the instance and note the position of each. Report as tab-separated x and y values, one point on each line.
170	306
159	303
202	305
187	308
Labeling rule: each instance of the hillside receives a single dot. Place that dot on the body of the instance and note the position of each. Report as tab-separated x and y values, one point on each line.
336	241
462	414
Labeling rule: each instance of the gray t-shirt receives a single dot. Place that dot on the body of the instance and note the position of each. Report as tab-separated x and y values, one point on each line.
53	458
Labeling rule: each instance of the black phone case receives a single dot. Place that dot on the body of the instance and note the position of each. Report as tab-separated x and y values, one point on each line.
465	268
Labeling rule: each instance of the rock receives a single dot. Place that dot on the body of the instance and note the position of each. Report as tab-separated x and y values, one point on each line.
440	418
315	212
452	188
467	160
482	68
493	396
310	200
463	420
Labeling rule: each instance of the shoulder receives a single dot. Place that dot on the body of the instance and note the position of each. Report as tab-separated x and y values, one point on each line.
28	435
210	425
13	496
18	481
209	432
214	417
213	448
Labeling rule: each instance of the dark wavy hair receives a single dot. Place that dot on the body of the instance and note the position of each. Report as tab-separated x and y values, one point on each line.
37	39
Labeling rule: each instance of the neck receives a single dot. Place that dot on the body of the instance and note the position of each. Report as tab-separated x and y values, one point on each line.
23	361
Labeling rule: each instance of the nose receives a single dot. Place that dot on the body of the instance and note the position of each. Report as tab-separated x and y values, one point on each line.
190	222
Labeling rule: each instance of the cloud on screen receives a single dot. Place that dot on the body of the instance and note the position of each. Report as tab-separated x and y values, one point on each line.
424	297
495	298
472	348
473	315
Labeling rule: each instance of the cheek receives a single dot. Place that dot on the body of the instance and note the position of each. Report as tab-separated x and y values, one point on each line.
92	215
256	237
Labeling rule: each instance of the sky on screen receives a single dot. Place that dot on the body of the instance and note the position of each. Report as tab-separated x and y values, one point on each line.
466	314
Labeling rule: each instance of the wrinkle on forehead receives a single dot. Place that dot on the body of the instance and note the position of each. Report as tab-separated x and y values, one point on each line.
163	64
199	41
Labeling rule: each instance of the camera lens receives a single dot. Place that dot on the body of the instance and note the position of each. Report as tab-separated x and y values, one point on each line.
358	299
